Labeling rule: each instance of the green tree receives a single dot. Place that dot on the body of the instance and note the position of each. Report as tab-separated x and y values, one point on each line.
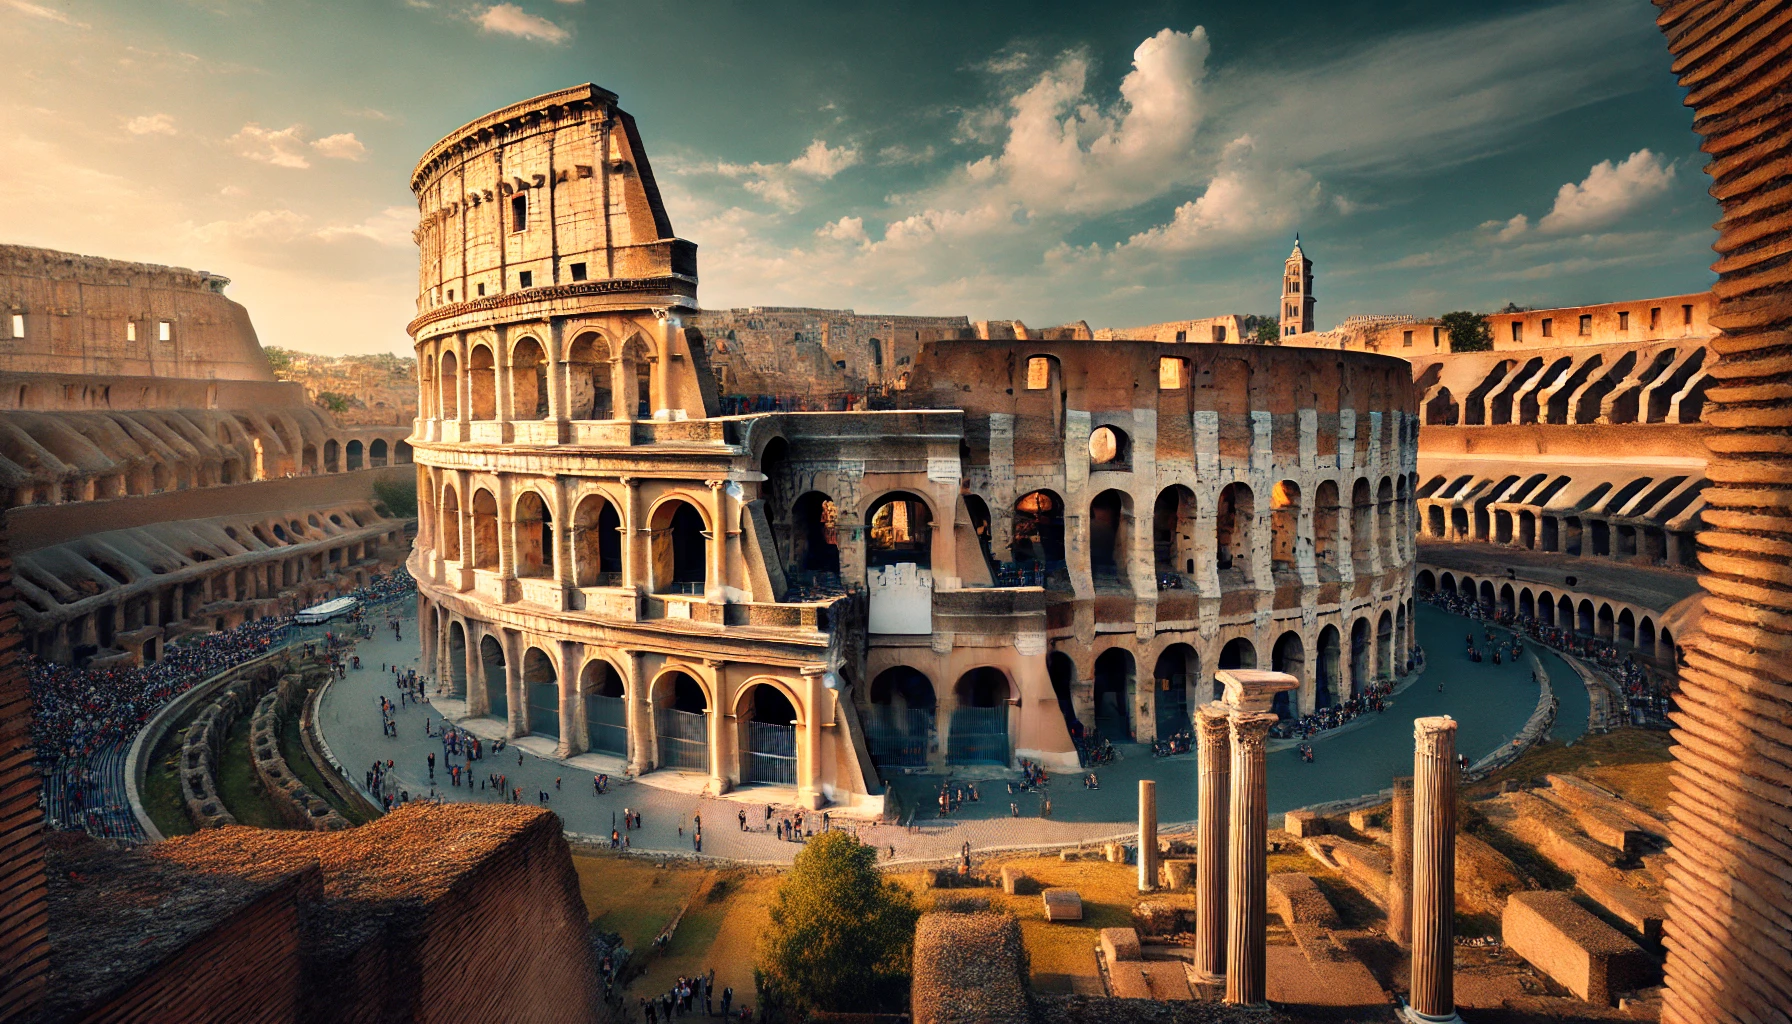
397	498
842	935
333	401
1468	331
278	358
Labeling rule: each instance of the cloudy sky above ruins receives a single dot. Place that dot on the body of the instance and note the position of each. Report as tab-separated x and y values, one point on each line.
1119	163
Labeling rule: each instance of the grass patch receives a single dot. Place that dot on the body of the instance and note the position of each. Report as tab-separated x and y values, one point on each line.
238	785
161	787
292	747
1620	749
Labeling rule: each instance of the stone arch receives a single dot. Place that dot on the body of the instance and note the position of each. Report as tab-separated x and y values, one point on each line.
492	673
1039	528
681	709
1527	604
596	542
1362	668
1586	617
1326	536
1384	645
589	377
541	692
1384	523
638	368
376	452
1328	681
352	454
899	729
1507	603
482	383
1173	680
1173	531
1607	622
528	380
1238	652
1546	608
1284	513
1425	582
679	546
1288	655
457	661
605	694
449	525
402	453
332	451
1447	582
1487	599
1110	535
485	530
814	534
979	732
767	713
1234	523
448	384
1626	627
1362	527
532	540
899	528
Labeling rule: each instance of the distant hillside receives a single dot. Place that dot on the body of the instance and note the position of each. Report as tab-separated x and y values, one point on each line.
374	389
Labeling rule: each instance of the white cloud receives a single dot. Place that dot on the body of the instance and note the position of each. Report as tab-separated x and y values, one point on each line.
150	124
1507	230
511	20
846	229
1608	193
282	148
1247	198
46	13
820	161
782	184
391	226
343	146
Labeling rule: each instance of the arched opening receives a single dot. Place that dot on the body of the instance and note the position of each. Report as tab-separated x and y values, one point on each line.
1328	683
1039	529
1645	636
528	381
1177	666
1384	645
354	455
1384	522
534	538
1325	531
1487	596
457	661
1434	521
768	753
1447	582
497	692
1232	523
1565	614
606	708
1173	531
1506	606
482	384
814	535
1110	520
901	532
1109	448
899	730
1424	582
1627	628
1606	622
1284	525
1115	694
588	378
307	461
1467	589
1289	655
681	718
485	530
332	456
1239	652
448	524
979	730
597	543
1360	653
1546	608
402	453
1527	605
449	387
680	552
541	688
1362	529
1402	644
376	452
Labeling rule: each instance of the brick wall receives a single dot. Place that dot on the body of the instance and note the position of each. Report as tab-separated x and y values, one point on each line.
24	912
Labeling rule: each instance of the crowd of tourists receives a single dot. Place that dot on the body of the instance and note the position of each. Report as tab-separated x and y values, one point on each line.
1646	692
693	997
1372	698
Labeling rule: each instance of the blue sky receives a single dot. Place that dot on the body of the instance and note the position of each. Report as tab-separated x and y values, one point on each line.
1118	163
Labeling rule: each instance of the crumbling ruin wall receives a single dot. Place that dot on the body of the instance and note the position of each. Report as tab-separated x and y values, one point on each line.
202	747
1729	950
296	804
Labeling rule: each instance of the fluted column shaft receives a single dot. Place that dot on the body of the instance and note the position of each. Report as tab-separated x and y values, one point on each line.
1213	737
1147	835
1433	996
1247	857
1400	886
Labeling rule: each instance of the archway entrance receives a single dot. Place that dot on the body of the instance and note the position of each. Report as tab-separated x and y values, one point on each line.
606	710
541	688
1359	654
1175	667
1290	656
899	730
1238	653
679	550
1327	686
769	751
814	537
457	661
901	531
1039	529
681	717
491	658
1115	686
979	731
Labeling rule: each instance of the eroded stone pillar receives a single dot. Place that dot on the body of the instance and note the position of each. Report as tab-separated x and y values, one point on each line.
1434	768
1147	835
1400	886
1214	756
1250	694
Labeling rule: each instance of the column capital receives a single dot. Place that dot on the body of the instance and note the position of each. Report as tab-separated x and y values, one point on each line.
714	485
1253	690
1250	732
1428	732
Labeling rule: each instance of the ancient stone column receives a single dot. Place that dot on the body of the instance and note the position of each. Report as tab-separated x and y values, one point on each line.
1215	764
1400	886
1433	996
1147	835
1250	694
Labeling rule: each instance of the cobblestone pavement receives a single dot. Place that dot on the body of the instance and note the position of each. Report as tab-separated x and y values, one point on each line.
1491	701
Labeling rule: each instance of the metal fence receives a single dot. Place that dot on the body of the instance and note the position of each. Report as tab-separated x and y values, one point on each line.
771	753
544	709
979	736
899	737
606	724
684	739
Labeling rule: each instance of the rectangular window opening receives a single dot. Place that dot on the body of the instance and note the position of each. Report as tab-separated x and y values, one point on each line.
482	291
1219	332
164	331
578	271
525	279
1623	321
1586	324
1406	342
1549	327
1181	336
1437	337
18	325
519	213
1172	374
1686	315
1518	331
130	330
1654	318
1039	373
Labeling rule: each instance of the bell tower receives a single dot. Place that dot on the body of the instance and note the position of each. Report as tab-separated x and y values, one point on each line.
1297	293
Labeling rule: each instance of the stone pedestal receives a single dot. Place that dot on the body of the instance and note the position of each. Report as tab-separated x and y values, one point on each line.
1400	885
1213	738
1433	997
1147	835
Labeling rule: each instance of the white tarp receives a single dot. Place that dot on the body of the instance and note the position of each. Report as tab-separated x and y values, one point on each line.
327	611
901	599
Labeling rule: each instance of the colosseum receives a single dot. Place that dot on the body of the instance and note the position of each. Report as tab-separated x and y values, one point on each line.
1030	534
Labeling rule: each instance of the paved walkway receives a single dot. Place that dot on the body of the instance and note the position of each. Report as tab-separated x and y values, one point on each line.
1492	702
